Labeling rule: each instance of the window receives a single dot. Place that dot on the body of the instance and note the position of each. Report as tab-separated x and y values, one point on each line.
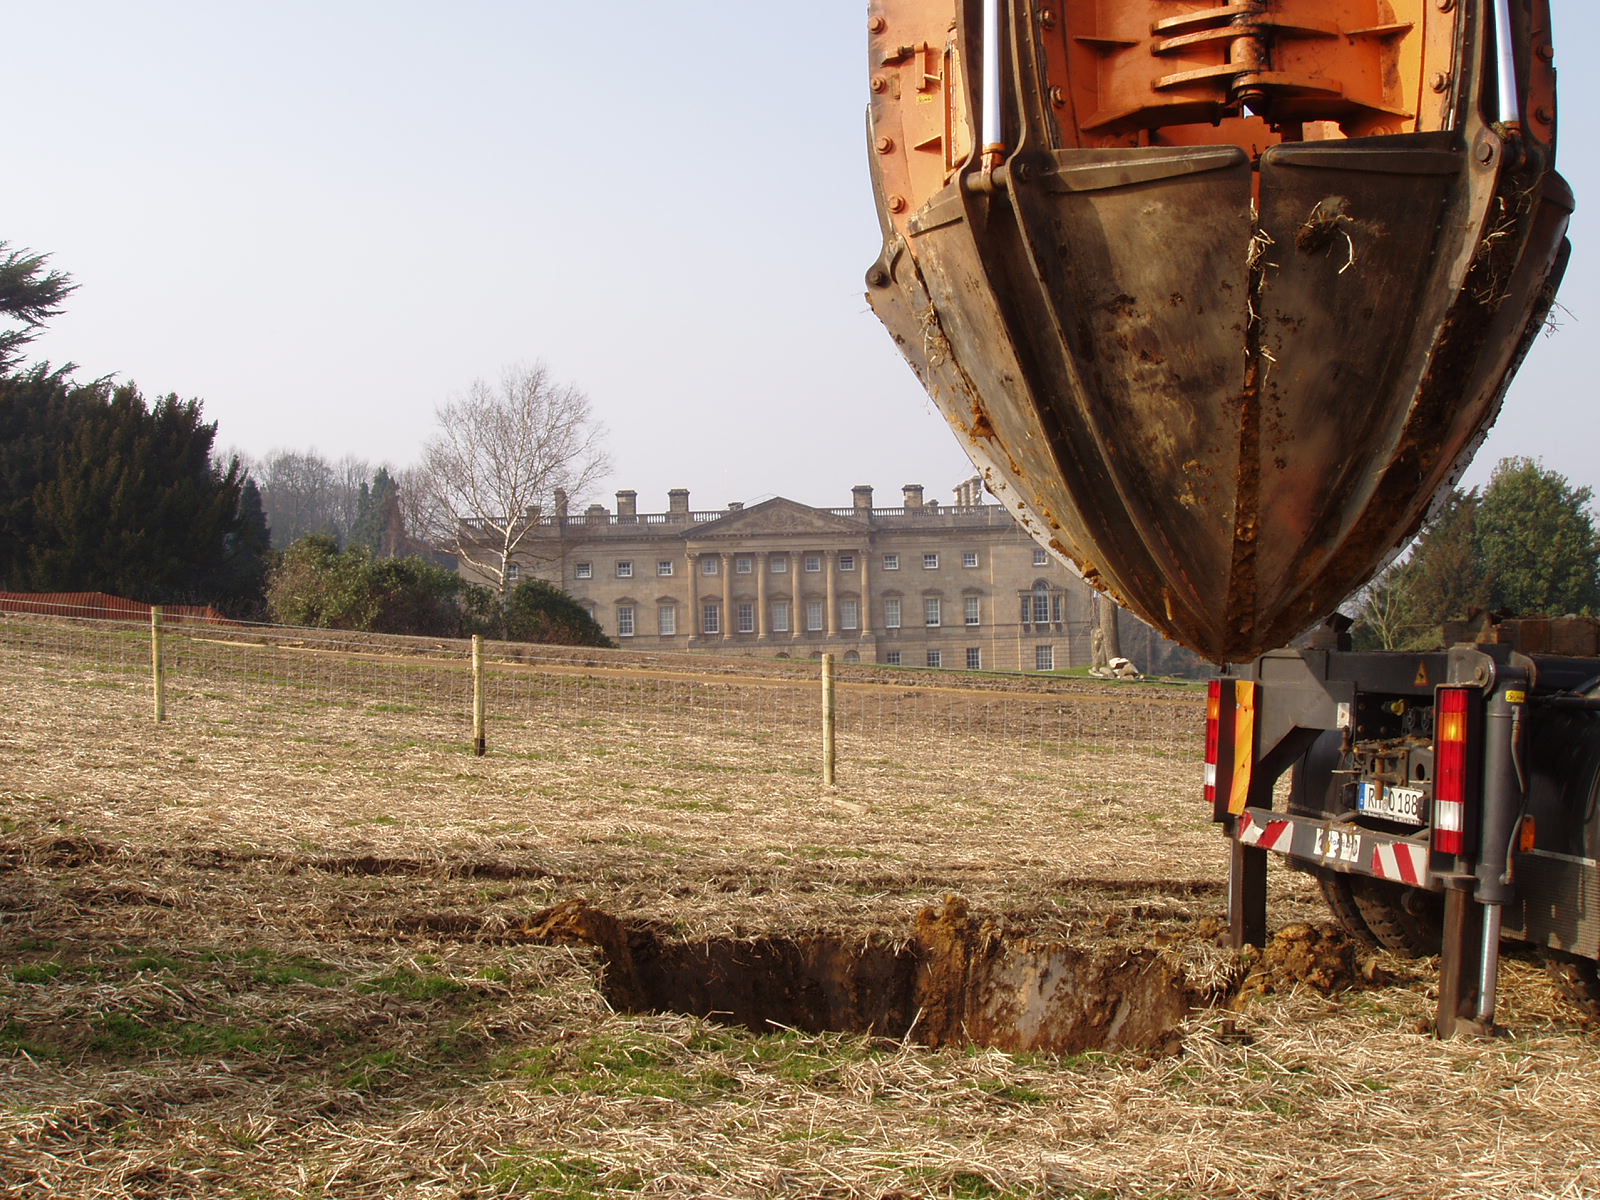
624	620
513	570
1041	557
847	562
813	615
664	567
974	658
936	658
891	562
1044	658
813	563
780	616
930	562
780	564
667	620
891	612
930	610
969	558
743	565
745	614
849	614
710	564
624	568
1041	606
711	619
972	609
892	658
583	570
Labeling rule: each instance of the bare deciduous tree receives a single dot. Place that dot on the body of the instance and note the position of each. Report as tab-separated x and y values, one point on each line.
502	452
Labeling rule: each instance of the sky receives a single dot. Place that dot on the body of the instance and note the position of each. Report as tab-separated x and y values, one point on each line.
325	219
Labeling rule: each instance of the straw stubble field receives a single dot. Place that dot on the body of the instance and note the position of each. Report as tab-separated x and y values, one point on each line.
292	945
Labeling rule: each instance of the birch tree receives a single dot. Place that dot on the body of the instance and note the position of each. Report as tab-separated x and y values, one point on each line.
501	453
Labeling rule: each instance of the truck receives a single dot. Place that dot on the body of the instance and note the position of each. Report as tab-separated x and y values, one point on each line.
1221	298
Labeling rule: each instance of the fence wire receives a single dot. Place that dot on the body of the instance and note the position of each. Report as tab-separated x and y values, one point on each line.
240	673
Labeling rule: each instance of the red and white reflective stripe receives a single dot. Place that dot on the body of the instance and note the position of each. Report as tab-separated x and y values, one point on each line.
1265	836
1401	862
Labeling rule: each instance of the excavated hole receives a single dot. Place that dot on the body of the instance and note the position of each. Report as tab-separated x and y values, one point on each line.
955	981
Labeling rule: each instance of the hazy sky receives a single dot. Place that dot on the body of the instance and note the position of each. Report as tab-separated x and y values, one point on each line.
324	219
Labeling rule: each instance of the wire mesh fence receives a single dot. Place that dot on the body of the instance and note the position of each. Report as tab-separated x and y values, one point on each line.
742	708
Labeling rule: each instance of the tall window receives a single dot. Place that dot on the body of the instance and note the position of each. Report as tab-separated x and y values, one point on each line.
930	610
513	571
1041	607
667	620
711	619
813	615
1044	658
746	614
891	612
972	609
780	616
664	567
849	614
974	658
936	658
624	620
624	568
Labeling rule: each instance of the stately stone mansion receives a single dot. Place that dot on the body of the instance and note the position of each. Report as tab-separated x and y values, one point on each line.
922	584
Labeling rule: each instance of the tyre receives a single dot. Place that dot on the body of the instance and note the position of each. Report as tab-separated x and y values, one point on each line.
1408	921
1341	901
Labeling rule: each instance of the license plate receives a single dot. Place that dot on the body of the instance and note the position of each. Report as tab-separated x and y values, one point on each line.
1390	802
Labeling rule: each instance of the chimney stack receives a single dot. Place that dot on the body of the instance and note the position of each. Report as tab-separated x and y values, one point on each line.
627	505
862	493
678	501
913	495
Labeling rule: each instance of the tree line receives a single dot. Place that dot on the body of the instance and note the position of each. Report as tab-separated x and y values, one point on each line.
103	489
1525	545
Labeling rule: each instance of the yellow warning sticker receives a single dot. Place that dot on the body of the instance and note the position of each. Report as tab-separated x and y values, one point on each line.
1422	675
1515	697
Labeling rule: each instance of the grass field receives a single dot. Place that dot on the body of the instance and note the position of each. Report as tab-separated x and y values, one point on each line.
288	944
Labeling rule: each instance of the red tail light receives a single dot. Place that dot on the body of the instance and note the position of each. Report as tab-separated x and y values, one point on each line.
1213	738
1450	726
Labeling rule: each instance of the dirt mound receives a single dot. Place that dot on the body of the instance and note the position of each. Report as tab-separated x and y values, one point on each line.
956	981
1319	956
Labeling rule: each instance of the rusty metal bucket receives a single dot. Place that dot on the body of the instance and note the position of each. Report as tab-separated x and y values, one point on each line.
1220	364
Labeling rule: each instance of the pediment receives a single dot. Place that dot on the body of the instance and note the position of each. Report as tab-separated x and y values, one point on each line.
776	516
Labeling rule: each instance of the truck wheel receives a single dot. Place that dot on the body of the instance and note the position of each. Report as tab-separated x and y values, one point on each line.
1578	979
1405	920
1342	903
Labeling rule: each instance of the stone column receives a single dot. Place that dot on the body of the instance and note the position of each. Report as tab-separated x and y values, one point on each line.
797	605
865	616
725	565
694	596
830	565
760	565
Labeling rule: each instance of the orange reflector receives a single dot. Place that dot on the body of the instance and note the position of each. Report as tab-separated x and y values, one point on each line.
1529	834
1244	744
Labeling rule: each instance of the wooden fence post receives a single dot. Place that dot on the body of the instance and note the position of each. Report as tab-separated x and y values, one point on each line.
479	742
827	721
158	686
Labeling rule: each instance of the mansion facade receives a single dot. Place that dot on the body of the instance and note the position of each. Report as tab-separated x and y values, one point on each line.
921	584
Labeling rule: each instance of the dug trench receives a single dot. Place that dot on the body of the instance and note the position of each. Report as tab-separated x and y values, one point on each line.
954	979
